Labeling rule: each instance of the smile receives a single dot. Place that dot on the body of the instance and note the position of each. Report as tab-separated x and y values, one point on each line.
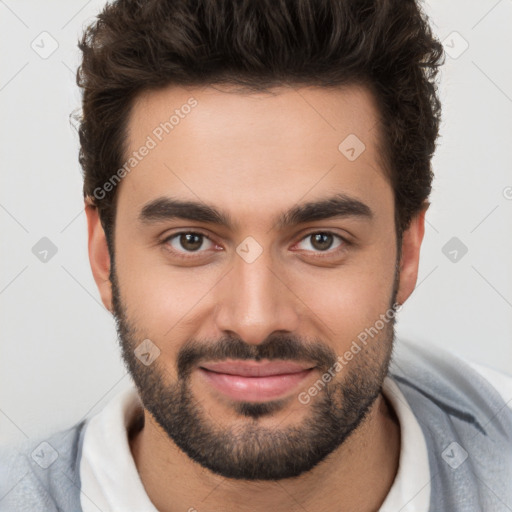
255	382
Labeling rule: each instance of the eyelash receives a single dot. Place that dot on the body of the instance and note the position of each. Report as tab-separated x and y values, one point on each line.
321	254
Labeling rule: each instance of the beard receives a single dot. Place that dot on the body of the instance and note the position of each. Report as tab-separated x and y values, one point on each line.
250	450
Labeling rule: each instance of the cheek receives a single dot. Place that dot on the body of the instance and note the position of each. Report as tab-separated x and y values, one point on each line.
161	299
344	301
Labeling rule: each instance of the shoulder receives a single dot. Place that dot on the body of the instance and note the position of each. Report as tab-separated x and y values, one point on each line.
42	474
501	382
462	411
442	376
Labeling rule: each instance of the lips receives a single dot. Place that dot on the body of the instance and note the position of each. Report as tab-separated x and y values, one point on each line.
254	369
254	381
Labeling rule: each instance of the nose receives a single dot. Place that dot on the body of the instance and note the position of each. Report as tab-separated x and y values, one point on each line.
255	301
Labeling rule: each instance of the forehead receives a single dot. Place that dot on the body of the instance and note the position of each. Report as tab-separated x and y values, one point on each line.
252	151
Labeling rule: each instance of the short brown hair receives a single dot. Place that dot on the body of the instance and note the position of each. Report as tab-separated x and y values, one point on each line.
385	45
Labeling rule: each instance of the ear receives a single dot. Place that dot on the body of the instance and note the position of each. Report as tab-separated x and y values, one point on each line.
411	244
99	256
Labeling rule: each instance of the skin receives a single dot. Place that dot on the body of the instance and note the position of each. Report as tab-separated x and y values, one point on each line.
254	156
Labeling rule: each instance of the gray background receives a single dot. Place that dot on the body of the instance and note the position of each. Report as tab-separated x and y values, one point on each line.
59	356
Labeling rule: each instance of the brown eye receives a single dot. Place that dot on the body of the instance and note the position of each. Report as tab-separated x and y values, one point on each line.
191	241
187	242
322	241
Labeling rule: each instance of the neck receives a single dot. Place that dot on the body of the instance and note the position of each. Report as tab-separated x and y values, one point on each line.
368	459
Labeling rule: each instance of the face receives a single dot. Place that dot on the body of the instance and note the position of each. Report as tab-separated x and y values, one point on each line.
246	235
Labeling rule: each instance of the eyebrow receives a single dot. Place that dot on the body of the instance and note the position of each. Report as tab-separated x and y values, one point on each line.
338	206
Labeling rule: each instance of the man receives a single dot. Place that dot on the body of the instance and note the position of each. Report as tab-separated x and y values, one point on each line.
256	177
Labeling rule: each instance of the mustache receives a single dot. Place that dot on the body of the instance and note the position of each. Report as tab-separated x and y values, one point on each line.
277	346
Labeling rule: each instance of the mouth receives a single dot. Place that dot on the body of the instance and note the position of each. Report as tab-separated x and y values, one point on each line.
255	381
